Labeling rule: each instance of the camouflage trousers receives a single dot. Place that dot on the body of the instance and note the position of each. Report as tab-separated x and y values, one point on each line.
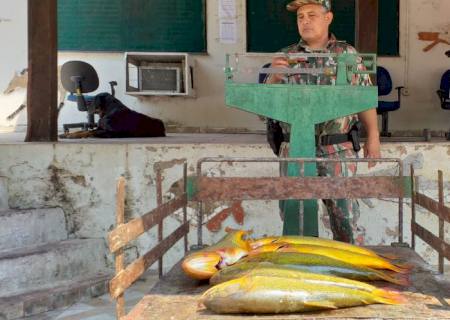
341	212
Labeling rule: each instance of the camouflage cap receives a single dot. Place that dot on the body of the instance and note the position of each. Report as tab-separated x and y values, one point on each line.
294	5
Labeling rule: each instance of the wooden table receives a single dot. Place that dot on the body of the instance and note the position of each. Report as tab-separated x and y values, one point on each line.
176	297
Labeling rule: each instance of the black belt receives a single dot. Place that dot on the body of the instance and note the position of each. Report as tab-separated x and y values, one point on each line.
352	136
330	139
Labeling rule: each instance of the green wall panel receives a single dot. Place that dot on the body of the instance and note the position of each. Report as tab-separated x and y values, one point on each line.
271	27
132	25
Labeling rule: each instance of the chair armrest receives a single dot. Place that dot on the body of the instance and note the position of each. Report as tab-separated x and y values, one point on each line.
399	89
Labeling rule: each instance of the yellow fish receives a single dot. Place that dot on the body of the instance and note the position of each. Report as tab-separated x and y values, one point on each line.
311	241
323	265
201	265
352	257
271	270
271	294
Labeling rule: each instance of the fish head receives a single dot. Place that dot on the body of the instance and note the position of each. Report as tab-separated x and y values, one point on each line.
222	290
262	242
267	248
230	256
201	265
238	237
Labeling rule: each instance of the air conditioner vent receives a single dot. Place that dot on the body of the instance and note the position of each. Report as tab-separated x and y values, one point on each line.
167	74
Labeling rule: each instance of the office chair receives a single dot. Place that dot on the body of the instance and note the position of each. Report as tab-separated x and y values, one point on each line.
79	77
444	94
384	83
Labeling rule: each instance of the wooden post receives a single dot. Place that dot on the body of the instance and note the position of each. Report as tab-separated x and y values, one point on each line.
366	37
120	219
42	109
441	220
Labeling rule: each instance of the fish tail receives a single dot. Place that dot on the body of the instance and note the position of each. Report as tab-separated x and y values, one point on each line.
405	266
398	269
400	279
388	296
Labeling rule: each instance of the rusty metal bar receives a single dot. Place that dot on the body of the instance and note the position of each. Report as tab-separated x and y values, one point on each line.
437	244
433	206
185	206
128	276
200	209
299	160
413	208
441	220
120	219
161	222
125	233
400	206
281	188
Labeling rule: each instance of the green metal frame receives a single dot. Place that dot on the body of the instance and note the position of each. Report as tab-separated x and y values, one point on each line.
304	106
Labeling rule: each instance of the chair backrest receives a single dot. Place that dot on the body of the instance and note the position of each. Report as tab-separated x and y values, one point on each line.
384	81
445	82
83	70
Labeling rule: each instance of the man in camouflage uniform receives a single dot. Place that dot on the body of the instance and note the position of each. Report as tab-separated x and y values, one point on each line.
313	19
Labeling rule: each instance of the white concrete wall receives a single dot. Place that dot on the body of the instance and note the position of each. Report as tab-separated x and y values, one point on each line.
417	70
80	178
420	72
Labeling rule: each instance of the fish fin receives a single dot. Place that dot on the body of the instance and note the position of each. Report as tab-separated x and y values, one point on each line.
228	230
389	297
321	304
389	256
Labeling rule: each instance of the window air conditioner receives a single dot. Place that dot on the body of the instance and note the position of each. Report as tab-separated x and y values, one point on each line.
161	74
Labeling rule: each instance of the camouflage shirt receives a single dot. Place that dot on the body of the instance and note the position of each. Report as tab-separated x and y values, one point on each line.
337	126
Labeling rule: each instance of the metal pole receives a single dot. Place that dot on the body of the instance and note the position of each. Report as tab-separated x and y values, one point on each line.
413	208
160	225
441	220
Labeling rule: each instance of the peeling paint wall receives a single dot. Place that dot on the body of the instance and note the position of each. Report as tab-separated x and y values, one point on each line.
417	70
80	178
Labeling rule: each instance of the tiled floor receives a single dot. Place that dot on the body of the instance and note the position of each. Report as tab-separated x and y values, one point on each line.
102	308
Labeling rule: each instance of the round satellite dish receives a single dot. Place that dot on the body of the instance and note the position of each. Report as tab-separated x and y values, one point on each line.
71	71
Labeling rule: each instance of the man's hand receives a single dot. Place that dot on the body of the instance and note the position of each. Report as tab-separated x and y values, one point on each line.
372	149
277	62
372	145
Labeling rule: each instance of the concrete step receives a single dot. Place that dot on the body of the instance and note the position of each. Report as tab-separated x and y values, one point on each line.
57	295
25	269
3	194
21	228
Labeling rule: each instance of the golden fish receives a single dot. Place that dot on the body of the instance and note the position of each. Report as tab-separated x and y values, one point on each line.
271	270
352	257
201	265
311	241
324	265
266	294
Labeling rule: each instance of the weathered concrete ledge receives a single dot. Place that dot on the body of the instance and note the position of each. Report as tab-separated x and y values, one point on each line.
80	176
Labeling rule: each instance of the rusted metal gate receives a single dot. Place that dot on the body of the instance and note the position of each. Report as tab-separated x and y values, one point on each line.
201	189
